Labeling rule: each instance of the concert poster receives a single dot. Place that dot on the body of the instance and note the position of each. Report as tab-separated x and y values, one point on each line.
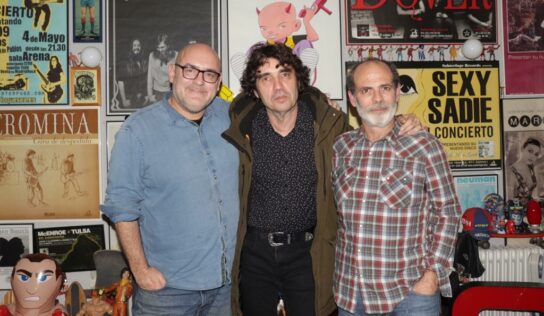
34	52
420	21
15	242
524	48
523	127
73	247
314	35
51	159
459	103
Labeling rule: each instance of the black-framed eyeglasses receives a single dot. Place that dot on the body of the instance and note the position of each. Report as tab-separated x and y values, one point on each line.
190	72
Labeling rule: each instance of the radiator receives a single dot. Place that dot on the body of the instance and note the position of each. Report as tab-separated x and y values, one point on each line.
522	264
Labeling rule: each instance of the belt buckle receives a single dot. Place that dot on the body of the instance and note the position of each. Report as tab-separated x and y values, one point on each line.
271	241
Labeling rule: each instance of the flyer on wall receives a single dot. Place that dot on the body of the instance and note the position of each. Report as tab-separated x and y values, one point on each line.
33	52
73	247
523	126
459	103
523	48
52	167
423	21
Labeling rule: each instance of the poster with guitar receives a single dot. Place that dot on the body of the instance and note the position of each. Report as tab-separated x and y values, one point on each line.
51	163
34	52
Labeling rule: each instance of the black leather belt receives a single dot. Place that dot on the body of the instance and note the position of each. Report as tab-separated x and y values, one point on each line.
276	239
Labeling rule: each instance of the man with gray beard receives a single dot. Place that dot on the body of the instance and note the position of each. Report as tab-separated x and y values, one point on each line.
397	207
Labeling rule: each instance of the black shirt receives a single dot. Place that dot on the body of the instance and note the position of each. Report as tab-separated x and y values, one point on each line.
283	186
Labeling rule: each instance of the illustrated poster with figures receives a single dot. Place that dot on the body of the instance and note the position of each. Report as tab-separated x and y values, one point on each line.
310	27
34	52
49	160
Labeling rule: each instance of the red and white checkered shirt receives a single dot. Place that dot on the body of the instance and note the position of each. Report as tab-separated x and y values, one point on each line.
398	216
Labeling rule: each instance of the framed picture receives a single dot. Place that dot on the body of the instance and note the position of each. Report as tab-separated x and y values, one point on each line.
73	247
85	88
15	242
472	188
523	127
87	23
139	53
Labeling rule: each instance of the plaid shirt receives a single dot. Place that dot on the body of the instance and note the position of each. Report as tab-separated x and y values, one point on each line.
398	216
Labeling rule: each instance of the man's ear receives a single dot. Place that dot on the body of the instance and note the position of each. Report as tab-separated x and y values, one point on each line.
352	99
171	72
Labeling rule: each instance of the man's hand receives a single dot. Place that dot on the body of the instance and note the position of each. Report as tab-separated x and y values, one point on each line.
332	103
427	285
410	124
150	279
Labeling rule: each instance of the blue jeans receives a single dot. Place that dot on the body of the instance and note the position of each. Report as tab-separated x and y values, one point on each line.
413	304
170	301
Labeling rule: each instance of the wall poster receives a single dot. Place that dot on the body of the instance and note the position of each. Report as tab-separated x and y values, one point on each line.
53	168
15	242
524	48
73	247
87	22
420	21
471	189
33	52
311	28
523	126
459	103
139	52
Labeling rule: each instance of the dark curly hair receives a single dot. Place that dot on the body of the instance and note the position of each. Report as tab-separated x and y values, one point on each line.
286	58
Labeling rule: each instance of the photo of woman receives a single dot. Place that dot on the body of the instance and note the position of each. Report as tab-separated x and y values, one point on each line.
525	173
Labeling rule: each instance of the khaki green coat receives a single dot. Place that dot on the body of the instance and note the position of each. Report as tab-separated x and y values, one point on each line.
328	123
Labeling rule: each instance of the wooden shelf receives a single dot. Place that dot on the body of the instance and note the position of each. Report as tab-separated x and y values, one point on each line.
529	235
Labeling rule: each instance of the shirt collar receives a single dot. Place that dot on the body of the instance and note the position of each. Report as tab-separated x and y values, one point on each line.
174	116
392	137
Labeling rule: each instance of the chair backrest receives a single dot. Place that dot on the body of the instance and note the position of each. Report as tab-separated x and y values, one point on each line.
109	264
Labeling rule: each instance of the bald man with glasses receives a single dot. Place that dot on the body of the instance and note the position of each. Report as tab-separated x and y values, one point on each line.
173	193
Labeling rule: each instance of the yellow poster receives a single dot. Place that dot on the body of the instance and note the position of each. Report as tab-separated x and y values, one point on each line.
459	103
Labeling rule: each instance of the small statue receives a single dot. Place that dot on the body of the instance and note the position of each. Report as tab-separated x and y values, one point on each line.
95	307
36	280
122	291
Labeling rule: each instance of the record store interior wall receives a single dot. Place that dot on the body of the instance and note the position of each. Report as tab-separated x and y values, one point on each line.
471	70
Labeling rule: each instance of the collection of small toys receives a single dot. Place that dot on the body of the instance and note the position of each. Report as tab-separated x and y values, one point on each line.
515	216
37	280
